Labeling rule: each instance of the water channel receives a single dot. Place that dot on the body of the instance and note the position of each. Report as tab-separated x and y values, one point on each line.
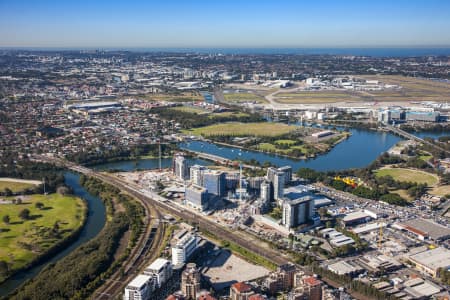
95	221
359	150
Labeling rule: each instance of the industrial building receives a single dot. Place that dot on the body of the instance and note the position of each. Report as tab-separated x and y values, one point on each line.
184	245
355	218
161	270
431	261
425	229
139	288
346	268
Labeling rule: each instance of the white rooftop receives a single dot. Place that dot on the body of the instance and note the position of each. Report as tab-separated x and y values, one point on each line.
139	281
355	216
434	259
158	264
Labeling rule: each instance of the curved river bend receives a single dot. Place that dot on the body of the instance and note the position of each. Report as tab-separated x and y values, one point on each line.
359	150
94	223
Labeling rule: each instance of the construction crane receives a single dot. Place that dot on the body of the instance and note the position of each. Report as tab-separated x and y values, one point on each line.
380	238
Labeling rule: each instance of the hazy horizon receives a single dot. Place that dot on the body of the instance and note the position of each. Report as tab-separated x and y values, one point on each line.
230	24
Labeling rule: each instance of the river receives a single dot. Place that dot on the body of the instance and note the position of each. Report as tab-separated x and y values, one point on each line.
95	221
359	150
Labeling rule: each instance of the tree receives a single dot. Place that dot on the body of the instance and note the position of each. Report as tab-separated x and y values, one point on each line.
63	190
6	219
24	214
39	205
8	192
4	268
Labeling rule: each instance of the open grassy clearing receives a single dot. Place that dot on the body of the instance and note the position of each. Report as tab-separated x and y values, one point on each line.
191	109
243	97
243	129
413	89
236	114
15	186
401	174
23	240
442	190
317	97
182	97
404	194
286	142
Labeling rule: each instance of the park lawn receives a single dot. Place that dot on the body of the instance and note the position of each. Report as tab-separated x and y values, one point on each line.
15	186
243	129
401	174
404	194
182	97
268	147
191	109
286	142
228	114
243	97
442	190
68	211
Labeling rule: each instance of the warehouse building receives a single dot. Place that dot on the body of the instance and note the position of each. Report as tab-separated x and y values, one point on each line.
431	261
425	229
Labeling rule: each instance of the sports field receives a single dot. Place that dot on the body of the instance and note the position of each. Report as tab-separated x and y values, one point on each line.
401	174
243	129
23	240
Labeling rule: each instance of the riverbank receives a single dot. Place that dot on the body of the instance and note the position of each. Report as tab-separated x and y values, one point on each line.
277	153
46	231
95	221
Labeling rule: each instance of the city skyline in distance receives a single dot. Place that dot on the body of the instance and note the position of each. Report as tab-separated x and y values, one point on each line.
230	24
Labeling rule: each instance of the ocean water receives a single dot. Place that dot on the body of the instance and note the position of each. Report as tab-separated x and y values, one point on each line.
375	52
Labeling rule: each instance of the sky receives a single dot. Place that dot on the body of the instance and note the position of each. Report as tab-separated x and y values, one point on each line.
226	24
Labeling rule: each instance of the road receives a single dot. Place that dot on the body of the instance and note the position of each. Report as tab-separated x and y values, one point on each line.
409	136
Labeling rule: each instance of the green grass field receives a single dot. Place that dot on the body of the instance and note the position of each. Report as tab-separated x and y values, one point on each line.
191	109
237	114
286	142
22	240
401	174
404	194
315	97
243	97
442	190
243	129
15	186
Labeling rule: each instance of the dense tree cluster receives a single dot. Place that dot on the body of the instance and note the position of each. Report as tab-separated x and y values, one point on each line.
376	188
119	153
78	274
15	167
190	120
